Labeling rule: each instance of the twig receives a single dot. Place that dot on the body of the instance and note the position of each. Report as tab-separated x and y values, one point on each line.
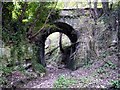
52	51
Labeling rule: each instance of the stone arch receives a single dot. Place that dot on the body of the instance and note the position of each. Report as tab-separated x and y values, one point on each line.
61	27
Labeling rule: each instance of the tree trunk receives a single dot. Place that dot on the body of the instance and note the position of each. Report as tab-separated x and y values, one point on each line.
111	4
89	3
95	11
105	5
119	33
0	22
41	54
60	43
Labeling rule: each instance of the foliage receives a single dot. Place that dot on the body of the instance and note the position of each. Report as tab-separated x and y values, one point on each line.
37	67
104	54
19	21
101	70
111	65
63	82
115	83
3	80
18	17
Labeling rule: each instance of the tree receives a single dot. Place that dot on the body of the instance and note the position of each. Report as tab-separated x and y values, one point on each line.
27	15
95	9
105	5
20	22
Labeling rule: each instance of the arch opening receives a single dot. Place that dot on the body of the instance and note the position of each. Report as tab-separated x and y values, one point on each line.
52	48
62	28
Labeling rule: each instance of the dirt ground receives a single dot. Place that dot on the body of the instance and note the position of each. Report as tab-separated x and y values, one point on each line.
97	75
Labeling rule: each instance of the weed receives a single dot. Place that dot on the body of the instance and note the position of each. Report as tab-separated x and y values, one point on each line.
111	65
104	54
63	82
115	83
85	80
3	81
101	70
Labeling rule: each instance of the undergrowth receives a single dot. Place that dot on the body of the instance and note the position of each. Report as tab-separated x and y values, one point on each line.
63	82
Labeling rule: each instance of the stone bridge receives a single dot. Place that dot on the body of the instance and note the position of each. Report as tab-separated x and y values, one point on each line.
71	17
69	24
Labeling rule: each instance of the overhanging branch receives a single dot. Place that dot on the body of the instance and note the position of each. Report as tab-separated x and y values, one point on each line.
34	35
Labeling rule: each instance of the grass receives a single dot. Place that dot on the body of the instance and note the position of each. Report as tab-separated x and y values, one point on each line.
63	82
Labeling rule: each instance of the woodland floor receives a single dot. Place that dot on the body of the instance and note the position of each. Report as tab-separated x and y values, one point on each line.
98	75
